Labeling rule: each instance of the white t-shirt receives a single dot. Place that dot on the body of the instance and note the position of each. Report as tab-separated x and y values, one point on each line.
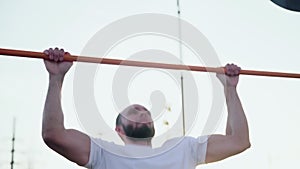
178	153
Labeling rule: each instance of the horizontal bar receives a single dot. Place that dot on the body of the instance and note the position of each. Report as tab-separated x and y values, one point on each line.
40	55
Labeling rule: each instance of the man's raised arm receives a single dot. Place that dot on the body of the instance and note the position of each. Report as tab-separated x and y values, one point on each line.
71	144
236	139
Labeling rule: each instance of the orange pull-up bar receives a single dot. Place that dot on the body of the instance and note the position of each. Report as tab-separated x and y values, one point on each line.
40	55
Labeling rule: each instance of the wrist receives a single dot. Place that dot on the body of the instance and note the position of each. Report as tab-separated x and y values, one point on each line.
230	89
56	78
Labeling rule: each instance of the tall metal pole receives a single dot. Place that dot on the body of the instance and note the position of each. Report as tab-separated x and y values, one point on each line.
181	60
13	144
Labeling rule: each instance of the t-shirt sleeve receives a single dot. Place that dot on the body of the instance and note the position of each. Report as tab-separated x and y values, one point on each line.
199	147
95	154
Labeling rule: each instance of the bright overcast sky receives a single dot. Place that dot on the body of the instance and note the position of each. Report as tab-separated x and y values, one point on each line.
254	34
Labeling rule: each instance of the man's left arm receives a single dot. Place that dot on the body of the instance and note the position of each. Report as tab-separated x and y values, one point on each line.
236	139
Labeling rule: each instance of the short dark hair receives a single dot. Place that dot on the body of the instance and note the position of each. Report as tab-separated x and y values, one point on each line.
119	120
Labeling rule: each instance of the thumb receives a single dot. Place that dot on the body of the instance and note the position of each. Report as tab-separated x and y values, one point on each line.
46	62
220	76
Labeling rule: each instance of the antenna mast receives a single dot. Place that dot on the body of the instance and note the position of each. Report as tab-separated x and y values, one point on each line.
13	144
181	60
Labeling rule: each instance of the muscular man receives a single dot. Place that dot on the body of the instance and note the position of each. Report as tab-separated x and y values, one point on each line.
135	127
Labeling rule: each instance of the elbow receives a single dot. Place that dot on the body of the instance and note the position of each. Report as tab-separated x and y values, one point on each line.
241	144
248	145
49	138
46	136
245	145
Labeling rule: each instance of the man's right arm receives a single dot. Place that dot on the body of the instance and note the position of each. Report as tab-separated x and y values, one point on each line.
72	144
236	139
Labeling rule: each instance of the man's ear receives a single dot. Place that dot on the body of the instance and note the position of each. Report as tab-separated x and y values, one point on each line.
119	130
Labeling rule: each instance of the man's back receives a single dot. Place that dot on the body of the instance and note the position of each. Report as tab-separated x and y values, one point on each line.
176	153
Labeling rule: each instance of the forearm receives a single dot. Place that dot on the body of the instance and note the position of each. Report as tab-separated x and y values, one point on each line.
53	118
236	122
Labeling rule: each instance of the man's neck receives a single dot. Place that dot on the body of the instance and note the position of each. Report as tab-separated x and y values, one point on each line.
139	142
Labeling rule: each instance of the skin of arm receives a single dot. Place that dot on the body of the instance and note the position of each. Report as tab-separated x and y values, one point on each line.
236	139
72	144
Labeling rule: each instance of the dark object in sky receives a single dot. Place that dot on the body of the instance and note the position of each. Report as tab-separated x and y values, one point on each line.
293	5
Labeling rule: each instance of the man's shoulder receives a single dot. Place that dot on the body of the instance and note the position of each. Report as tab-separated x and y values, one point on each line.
186	140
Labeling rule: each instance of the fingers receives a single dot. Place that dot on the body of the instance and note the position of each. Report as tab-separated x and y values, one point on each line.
232	70
56	55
